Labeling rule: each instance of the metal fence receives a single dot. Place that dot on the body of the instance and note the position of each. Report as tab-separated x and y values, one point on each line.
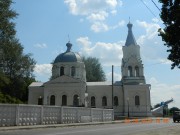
21	115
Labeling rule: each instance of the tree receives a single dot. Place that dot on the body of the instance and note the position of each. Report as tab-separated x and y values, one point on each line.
170	15
16	67
94	71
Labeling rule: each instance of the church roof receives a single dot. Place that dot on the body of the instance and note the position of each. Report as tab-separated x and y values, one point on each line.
36	84
68	56
130	40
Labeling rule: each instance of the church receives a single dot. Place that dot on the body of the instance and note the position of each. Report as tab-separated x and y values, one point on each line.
68	87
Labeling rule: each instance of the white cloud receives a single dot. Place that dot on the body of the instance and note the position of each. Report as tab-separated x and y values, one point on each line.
43	45
108	53
99	27
100	16
86	7
162	92
42	71
95	11
151	44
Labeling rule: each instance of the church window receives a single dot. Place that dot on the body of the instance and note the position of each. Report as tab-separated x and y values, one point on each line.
93	101
73	71
40	101
61	71
130	71
137	101
104	101
115	101
52	100
64	100
76	100
136	71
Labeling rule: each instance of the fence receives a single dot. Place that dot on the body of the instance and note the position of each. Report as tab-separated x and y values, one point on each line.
21	115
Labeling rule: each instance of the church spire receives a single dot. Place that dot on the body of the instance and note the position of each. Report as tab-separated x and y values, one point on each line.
130	40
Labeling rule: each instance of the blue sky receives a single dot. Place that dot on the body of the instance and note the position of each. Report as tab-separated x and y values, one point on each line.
97	28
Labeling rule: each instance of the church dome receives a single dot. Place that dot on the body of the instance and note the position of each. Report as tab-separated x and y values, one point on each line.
68	56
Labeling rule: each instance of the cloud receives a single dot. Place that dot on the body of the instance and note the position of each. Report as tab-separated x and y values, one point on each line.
42	71
95	11
162	92
42	46
100	16
87	7
108	53
151	44
99	27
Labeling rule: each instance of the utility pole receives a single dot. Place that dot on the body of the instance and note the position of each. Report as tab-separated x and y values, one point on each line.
112	86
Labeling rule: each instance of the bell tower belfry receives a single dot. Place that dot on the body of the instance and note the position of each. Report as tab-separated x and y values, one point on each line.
132	67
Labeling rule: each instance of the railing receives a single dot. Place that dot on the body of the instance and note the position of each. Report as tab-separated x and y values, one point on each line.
21	115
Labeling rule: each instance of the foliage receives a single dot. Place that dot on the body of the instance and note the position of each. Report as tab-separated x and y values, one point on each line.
170	15
94	71
8	99
171	110
15	67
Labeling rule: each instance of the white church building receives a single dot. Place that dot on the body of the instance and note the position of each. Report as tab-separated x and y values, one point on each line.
68	87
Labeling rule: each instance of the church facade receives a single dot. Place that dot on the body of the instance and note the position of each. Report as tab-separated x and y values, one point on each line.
68	87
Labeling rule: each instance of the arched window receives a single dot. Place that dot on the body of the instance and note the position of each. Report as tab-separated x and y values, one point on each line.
115	101
64	100
76	100
136	71
52	100
61	71
93	101
104	101
130	71
73	71
137	101
40	101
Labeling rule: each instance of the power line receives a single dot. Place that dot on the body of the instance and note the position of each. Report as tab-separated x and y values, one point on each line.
148	8
156	6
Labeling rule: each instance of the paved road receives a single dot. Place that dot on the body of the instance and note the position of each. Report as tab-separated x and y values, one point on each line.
107	129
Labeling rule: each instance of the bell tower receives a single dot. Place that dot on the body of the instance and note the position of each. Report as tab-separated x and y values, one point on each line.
132	67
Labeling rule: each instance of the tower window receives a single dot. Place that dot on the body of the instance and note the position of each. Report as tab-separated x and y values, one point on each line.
61	71
52	100
64	100
104	101
73	71
130	71
137	101
93	101
115	101
136	71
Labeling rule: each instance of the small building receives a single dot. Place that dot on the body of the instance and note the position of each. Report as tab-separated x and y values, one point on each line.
68	86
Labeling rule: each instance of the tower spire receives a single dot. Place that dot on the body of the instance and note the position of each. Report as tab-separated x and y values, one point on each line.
130	40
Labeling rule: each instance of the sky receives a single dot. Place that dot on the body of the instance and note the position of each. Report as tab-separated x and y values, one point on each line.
97	28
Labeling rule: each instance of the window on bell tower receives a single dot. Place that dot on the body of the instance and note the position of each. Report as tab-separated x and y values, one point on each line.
136	71
130	71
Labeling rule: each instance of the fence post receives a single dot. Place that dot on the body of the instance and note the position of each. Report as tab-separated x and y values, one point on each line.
102	115
91	113
17	115
61	115
113	114
42	114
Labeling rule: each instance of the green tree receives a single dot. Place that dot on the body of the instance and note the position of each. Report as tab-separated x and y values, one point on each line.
94	71
16	67
170	15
